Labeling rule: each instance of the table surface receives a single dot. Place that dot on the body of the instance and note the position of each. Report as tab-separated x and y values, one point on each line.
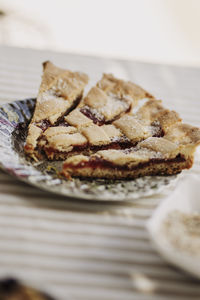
82	250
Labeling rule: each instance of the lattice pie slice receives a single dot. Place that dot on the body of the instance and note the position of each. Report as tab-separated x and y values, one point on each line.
154	156
60	91
158	144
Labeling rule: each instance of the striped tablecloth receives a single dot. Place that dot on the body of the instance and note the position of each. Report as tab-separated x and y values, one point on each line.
82	250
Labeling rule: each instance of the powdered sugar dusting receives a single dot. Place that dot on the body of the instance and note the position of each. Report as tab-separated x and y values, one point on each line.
154	130
94	112
49	95
61	84
141	103
143	152
113	106
116	139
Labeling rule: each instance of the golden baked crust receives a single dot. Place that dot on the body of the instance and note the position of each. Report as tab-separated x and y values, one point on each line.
132	128
112	132
111	98
59	92
76	118
124	89
153	110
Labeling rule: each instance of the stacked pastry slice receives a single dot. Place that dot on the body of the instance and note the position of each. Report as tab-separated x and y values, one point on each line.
117	131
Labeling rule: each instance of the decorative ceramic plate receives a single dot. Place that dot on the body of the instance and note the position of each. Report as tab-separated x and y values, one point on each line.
14	120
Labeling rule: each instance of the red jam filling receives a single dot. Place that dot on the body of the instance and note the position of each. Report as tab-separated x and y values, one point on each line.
96	120
98	162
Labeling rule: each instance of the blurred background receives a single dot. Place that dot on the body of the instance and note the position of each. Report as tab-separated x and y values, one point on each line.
163	31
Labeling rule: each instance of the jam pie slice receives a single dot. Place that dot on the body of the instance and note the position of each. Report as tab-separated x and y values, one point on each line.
153	156
158	144
60	91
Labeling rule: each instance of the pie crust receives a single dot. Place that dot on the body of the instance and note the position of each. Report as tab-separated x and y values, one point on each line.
111	98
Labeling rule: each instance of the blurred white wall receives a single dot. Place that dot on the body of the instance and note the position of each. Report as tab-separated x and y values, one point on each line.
149	30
